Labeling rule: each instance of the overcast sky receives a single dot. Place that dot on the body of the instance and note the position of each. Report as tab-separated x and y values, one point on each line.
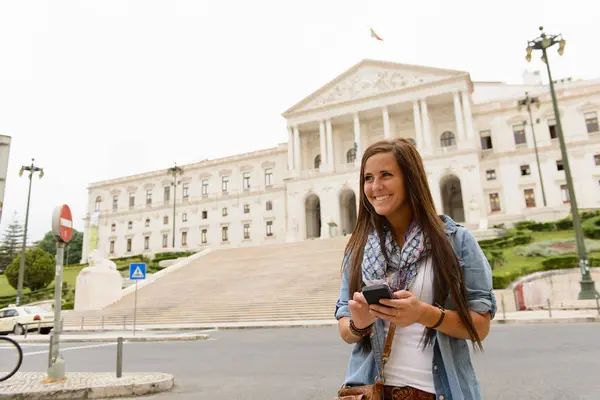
95	90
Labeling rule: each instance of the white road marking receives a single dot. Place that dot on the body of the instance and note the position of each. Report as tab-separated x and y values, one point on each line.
34	353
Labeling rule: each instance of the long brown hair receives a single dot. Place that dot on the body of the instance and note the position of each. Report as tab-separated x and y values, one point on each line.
448	275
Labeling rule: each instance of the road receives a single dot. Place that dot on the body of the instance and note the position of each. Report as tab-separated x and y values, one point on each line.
548	361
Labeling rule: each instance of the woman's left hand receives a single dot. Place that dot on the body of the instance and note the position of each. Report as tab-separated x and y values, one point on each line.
404	310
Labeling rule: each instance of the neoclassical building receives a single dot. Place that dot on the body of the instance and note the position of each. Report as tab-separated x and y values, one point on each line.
478	149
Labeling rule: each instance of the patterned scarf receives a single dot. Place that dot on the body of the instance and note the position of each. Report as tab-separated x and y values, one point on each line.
403	263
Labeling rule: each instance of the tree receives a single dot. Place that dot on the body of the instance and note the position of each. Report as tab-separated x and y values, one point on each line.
39	270
72	249
12	240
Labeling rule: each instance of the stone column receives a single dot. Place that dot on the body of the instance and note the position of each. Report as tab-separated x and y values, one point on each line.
357	138
323	148
297	161
418	125
290	149
460	129
386	123
329	145
426	126
466	103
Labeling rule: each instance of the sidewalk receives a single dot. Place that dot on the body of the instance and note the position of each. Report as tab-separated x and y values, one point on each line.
84	385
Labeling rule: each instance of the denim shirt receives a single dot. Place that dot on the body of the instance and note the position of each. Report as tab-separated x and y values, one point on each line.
453	373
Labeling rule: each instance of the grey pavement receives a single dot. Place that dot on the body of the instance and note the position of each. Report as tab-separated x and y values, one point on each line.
528	361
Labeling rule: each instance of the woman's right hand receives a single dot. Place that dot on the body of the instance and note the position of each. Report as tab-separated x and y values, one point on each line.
359	308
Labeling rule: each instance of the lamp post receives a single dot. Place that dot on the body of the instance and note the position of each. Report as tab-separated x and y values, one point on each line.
32	169
174	171
527	102
544	42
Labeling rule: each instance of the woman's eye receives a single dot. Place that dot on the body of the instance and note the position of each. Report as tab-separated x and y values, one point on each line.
368	178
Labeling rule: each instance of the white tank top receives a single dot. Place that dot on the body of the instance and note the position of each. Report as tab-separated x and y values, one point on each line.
409	364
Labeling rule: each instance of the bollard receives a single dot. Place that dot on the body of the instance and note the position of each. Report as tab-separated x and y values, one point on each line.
598	304
119	357
549	309
25	329
503	308
82	322
39	327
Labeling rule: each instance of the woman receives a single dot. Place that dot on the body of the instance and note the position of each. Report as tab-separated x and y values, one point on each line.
440	279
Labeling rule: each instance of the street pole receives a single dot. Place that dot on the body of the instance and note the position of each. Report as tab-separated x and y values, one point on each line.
31	168
174	171
588	290
527	101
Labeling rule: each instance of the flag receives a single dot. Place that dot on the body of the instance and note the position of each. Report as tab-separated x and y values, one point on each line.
374	35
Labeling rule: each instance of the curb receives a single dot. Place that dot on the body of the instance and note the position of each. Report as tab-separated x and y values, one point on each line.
567	320
78	385
111	339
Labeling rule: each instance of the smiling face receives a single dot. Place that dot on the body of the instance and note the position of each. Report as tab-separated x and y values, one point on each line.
384	184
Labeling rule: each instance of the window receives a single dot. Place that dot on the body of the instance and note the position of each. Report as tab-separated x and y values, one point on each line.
224	236
552	128
246	231
115	203
494	202
167	195
597	159
166	220
224	183
564	194
269	228
525	170
318	161
246	181
147	222
112	247
204	214
184	217
269	177
113	227
186	191
203	236
224	211
559	165
129	245
131	200
146	242
165	241
529	198
246	208
130	225
269	205
205	187
490	174
591	122
97	205
447	139
351	156
148	196
486	140
184	238
519	134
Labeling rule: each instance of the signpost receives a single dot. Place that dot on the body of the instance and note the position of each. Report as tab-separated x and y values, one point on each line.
137	272
62	228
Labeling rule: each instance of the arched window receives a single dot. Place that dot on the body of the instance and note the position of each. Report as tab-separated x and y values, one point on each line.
351	156
318	161
97	205
447	139
147	222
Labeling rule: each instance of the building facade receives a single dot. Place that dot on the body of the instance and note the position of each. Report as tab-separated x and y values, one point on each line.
477	146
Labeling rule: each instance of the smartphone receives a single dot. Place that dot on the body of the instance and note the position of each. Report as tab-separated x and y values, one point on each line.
377	292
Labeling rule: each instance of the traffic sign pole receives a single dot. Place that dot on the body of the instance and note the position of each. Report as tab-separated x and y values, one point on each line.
137	272
135	307
60	251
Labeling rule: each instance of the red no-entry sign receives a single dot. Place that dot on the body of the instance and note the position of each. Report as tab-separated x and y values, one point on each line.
62	223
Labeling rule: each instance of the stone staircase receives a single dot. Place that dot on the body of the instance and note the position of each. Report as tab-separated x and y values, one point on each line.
281	282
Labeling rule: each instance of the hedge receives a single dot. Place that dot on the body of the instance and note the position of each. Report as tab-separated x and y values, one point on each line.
591	228
504	242
172	255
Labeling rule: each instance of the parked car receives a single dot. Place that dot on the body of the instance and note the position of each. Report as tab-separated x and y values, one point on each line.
18	319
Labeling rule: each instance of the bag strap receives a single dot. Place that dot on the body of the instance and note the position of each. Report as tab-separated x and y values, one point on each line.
387	349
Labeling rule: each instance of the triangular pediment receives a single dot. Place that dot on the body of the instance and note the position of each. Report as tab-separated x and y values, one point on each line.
370	78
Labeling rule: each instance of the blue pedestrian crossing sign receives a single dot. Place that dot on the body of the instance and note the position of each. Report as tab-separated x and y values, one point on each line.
137	271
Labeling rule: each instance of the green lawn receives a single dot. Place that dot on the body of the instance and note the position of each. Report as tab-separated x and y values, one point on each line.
69	276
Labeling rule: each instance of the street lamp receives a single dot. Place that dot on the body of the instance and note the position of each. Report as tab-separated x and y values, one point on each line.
174	171
527	102
543	42
32	169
